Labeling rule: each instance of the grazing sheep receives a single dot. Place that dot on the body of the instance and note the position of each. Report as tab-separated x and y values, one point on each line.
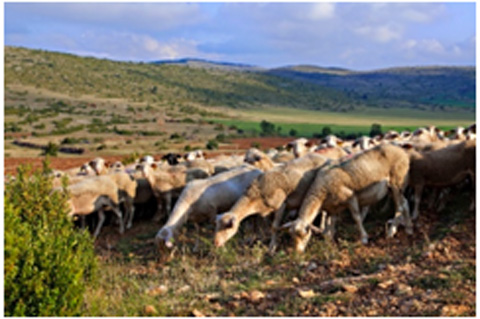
361	181
127	188
439	168
201	200
277	189
94	194
167	184
99	166
258	159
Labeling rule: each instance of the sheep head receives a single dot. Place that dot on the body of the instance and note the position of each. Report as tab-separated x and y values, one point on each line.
300	232
164	239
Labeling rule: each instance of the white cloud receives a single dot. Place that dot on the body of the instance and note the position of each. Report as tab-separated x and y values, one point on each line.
321	11
382	34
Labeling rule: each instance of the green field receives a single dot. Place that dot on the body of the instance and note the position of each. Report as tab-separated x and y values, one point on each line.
307	122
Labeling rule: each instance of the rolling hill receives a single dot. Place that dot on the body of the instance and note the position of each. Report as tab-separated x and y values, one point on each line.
206	83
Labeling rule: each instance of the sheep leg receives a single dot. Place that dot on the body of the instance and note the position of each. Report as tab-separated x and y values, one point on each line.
158	215
101	220
196	248
417	198
131	210
83	222
168	203
402	215
365	210
329	232
323	221
118	212
276	224
355	211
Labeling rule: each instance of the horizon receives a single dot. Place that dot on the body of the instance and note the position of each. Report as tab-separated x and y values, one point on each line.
233	63
351	36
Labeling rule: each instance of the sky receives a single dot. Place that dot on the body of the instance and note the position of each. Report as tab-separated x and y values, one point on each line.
357	36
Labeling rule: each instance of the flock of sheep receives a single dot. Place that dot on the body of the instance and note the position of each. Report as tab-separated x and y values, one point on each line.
297	183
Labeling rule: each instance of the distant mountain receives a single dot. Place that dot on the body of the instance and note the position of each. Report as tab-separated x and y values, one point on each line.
416	87
201	63
187	82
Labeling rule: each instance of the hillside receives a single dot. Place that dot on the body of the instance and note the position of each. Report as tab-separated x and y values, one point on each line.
206	83
438	88
165	84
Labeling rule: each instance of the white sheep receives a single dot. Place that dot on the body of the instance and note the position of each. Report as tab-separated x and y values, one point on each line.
258	159
94	194
300	147
361	181
202	200
277	189
167	184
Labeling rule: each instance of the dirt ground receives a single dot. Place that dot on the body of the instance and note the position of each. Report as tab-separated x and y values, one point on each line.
64	162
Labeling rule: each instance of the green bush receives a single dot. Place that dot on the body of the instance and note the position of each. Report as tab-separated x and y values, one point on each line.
51	149
47	261
212	145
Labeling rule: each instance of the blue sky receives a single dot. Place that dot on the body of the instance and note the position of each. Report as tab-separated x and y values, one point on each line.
359	36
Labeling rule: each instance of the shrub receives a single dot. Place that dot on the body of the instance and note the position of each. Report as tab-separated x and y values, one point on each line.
47	261
212	145
51	149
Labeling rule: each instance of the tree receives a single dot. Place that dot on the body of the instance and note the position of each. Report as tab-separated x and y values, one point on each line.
326	131
293	132
267	128
376	129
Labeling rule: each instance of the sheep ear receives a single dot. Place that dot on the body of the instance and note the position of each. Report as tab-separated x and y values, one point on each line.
229	222
340	142
473	128
107	164
289	146
257	158
407	146
355	144
309	144
153	165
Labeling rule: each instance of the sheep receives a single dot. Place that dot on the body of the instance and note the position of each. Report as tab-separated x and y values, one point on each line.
258	159
194	155
275	190
443	167
94	194
171	158
363	143
201	164
362	180
427	134
300	147
457	133
99	166
332	152
127	188
167	184
201	200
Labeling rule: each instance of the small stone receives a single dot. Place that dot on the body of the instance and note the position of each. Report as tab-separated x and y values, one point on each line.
403	289
270	282
306	293
385	284
454	310
256	296
157	291
197	313
295	280
350	288
312	266
150	310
